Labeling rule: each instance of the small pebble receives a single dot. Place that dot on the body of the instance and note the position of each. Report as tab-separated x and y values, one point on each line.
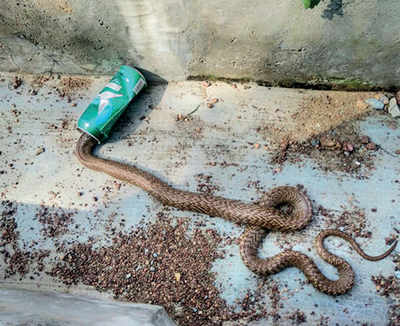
348	147
371	146
384	99
327	142
314	142
397	152
210	105
394	109
364	139
40	150
398	97
17	82
377	105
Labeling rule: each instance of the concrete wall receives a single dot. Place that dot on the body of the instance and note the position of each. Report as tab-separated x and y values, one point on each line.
340	41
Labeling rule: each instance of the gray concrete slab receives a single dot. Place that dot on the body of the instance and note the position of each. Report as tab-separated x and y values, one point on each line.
177	151
21	307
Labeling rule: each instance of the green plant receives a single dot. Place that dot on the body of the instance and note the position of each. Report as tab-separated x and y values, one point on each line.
310	3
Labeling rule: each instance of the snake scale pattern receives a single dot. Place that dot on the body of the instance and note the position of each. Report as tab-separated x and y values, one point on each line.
258	218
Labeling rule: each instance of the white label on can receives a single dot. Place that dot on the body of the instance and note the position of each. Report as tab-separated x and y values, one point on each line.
139	85
114	86
105	99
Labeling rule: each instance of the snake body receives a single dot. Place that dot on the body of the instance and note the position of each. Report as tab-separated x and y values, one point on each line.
258	218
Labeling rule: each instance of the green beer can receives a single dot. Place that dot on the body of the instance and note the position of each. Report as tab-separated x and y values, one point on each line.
111	102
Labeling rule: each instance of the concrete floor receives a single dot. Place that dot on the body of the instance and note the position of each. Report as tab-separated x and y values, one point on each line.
176	151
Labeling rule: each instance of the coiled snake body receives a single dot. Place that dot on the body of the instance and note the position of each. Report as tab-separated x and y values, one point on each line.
257	217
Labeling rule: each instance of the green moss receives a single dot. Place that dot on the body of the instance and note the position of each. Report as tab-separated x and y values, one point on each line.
210	78
214	78
349	84
316	82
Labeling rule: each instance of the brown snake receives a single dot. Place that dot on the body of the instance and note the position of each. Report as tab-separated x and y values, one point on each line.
257	217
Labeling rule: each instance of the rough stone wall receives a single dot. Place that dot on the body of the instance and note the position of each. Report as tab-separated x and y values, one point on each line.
348	42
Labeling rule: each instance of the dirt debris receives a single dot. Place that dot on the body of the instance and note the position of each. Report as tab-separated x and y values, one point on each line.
17	82
40	150
158	264
275	296
41	80
8	225
298	317
18	261
389	287
343	149
211	102
352	222
68	86
316	114
324	128
205	184
55	220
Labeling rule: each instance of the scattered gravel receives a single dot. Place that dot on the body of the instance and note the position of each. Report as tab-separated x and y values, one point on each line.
342	149
8	226
298	317
17	261
55	220
158	264
390	287
353	222
205	184
69	86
